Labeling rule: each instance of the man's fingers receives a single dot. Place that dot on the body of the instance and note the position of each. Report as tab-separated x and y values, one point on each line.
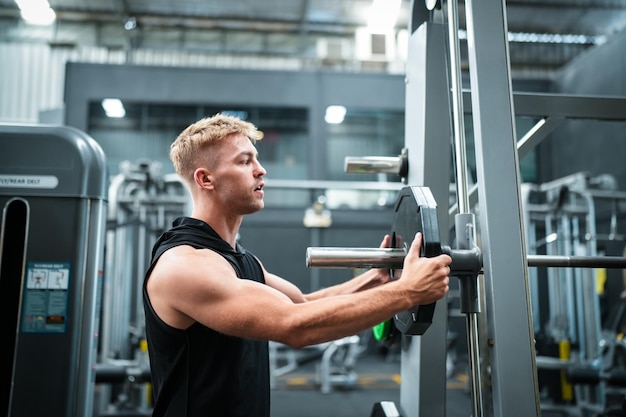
416	246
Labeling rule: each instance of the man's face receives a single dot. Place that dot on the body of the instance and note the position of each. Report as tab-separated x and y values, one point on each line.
238	175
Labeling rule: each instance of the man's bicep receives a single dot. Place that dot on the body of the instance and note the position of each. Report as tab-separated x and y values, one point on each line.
285	287
220	300
282	285
252	310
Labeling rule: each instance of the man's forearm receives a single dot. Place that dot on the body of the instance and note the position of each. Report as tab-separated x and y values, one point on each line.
369	279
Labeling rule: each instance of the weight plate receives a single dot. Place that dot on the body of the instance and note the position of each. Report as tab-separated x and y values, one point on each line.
415	211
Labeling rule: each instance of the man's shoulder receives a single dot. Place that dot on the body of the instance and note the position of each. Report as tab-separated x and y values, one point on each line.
187	253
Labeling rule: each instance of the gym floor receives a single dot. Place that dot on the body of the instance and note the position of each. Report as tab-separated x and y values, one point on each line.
298	394
378	379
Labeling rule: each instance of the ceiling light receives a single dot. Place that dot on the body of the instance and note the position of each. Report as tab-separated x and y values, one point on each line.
383	15
335	114
552	237
113	107
36	12
556	38
130	23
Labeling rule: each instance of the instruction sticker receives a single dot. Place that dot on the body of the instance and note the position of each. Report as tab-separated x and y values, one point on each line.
45	301
28	181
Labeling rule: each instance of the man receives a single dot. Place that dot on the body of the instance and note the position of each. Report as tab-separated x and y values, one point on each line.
211	306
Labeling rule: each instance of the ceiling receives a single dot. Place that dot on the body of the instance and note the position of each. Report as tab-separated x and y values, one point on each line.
297	28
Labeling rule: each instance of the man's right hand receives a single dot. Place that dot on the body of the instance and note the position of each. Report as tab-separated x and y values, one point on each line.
427	278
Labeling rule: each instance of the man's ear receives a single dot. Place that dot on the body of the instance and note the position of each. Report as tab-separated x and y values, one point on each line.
203	178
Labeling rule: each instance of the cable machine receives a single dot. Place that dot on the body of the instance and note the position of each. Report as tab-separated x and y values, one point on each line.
53	201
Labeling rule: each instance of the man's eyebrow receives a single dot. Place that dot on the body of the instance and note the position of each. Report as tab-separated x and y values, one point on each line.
248	153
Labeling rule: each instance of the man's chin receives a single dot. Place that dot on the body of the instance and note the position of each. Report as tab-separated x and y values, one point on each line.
256	208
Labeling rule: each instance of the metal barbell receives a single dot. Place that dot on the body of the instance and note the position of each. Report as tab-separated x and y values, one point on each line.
393	258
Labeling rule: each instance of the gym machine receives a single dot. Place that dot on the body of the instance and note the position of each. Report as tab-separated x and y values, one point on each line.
574	215
415	211
503	365
428	132
143	202
53	200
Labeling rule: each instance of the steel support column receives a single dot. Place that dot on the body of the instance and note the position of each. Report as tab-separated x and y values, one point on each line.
511	356
428	140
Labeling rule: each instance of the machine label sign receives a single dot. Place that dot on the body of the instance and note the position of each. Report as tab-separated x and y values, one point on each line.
44	308
28	181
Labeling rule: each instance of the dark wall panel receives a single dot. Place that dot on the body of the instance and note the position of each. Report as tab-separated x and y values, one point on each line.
279	238
597	147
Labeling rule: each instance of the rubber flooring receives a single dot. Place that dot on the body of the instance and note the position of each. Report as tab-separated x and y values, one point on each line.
298	393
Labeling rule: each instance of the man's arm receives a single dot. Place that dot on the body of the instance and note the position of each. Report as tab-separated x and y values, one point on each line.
182	292
369	279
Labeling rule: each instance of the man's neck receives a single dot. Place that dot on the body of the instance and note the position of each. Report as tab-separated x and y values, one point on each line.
226	227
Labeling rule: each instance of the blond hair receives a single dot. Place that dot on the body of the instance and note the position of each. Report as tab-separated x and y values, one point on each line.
199	136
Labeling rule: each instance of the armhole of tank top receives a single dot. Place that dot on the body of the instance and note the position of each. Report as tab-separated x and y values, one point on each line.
258	264
159	321
233	265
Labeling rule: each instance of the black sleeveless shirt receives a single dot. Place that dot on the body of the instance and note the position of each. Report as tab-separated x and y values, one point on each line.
199	372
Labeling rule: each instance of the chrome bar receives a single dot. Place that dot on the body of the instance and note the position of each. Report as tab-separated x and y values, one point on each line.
393	258
373	164
457	110
328	257
471	323
618	262
333	185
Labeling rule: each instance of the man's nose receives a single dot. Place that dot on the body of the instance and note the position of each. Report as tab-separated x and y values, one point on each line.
260	170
